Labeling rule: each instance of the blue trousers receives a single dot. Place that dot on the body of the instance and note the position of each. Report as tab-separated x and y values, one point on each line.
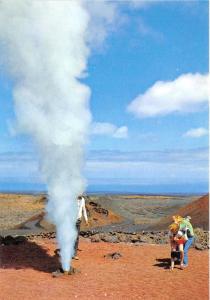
186	248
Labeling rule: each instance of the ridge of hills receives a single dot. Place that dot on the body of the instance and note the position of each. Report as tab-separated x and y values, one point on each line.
198	210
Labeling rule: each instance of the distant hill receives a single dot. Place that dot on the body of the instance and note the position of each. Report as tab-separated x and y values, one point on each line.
198	210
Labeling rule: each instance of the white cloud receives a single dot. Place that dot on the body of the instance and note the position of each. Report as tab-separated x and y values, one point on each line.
100	128
196	132
103	15
104	167
107	16
136	4
19	167
187	93
103	128
121	133
146	30
148	167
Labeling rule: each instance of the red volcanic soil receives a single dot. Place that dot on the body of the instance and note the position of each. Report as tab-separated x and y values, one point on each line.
140	273
198	210
95	218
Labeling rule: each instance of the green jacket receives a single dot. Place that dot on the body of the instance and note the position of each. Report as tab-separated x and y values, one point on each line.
185	224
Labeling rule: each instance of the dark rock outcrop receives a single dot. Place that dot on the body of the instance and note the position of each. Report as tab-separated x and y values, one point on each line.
114	255
10	240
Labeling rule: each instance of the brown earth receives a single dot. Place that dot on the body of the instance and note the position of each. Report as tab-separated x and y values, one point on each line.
16	208
198	210
141	273
26	211
97	216
142	210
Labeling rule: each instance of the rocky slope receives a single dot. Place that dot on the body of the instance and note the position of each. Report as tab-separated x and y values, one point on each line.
97	216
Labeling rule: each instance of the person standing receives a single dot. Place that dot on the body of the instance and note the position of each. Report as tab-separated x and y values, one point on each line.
186	226
81	213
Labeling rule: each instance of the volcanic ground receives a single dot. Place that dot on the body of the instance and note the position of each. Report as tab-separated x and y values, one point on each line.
128	212
124	253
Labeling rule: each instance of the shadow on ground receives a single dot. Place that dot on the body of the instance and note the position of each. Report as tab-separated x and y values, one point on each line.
163	263
27	255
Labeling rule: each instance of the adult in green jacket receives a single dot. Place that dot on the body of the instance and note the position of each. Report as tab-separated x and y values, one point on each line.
187	227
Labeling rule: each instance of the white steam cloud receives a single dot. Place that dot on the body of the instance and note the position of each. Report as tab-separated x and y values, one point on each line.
44	48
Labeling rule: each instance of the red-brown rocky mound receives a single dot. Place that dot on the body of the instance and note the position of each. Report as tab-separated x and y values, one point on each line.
97	216
198	210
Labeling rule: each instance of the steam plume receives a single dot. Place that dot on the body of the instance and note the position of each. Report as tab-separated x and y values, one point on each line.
45	49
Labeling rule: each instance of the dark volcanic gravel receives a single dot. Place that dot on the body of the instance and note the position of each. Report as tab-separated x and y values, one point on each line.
139	237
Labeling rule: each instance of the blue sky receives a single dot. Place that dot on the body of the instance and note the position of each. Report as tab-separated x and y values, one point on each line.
161	142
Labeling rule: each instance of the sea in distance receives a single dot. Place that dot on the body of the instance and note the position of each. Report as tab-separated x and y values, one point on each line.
172	189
